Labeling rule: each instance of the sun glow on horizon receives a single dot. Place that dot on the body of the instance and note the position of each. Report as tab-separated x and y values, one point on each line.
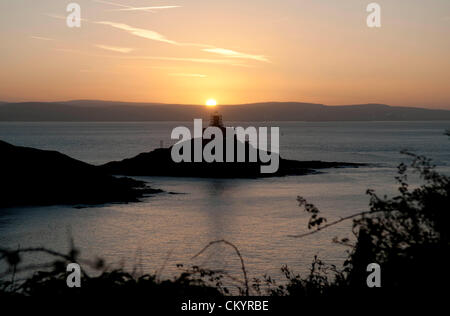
211	102
183	52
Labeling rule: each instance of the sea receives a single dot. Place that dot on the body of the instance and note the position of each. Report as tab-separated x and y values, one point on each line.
258	216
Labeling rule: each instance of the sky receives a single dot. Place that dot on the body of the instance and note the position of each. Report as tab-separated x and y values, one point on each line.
189	51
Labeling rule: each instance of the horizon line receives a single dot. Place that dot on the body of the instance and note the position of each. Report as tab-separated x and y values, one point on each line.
219	105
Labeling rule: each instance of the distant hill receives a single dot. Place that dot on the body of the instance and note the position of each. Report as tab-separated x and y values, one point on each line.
92	110
100	103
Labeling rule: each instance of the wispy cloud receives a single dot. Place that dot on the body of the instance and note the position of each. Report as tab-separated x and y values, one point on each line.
42	38
151	9
188	59
161	58
148	34
123	50
188	75
155	36
234	54
112	3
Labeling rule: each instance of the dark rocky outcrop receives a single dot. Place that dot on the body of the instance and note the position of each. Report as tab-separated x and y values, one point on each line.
39	177
159	163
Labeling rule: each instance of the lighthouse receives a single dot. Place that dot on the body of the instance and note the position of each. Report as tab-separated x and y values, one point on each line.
216	120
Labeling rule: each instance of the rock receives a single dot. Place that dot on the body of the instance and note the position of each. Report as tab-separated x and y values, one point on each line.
40	177
159	163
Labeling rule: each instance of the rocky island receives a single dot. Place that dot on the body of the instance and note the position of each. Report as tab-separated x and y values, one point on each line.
159	163
224	145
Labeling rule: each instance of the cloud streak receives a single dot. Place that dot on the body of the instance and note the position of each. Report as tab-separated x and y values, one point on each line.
161	58
151	9
233	54
42	38
155	36
122	50
147	34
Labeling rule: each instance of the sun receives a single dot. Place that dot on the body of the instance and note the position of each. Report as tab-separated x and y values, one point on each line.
211	102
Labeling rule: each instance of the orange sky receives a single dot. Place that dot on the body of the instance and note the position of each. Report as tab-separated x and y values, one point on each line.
232	51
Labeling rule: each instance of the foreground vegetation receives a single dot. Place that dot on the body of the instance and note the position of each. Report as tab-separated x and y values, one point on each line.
407	235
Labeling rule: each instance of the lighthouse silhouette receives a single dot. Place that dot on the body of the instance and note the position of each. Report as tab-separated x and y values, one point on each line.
216	120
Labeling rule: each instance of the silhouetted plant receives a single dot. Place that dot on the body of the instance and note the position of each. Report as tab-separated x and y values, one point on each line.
50	279
406	234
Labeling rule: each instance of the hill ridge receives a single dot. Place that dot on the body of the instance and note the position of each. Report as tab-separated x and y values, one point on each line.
93	110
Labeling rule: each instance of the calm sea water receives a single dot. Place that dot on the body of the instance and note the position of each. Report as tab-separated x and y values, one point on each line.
256	215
